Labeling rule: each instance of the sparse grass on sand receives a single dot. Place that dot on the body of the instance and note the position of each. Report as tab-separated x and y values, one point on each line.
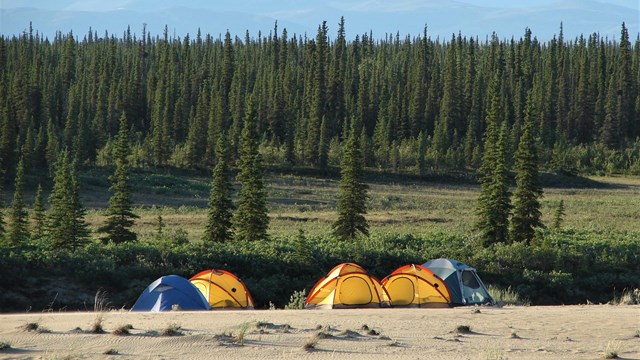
122	330
35	327
171	329
240	332
349	334
5	345
462	329
97	325
612	350
312	342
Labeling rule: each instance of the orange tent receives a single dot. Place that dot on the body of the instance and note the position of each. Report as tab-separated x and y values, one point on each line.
347	286
222	289
416	286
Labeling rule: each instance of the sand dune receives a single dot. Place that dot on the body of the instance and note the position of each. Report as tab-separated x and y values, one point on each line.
554	332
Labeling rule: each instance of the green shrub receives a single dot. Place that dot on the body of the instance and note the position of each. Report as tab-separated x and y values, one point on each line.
297	300
506	296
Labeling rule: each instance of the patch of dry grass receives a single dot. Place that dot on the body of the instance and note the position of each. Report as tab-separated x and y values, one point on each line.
612	350
312	342
171	329
462	329
35	327
111	352
240	332
122	330
97	325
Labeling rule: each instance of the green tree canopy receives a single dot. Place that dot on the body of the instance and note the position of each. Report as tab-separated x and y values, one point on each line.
120	214
526	211
18	219
66	227
220	208
352	192
251	219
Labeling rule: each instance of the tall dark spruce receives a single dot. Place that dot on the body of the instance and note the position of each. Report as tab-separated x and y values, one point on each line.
526	210
220	209
251	219
494	202
120	213
66	227
352	192
18	219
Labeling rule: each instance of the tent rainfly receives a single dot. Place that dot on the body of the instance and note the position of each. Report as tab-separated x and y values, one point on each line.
168	293
222	289
346	286
416	286
463	282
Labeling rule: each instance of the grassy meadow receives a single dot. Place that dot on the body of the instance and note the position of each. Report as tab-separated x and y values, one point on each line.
398	206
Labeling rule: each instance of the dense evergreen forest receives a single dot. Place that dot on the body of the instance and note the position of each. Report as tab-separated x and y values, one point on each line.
421	102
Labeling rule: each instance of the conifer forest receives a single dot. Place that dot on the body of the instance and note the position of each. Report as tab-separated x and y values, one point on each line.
421	103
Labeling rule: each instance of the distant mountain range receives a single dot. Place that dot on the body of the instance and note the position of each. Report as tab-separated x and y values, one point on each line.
442	17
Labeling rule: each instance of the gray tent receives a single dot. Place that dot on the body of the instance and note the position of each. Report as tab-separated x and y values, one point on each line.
463	281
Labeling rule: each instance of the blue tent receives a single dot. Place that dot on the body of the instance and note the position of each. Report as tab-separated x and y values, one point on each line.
463	281
168	291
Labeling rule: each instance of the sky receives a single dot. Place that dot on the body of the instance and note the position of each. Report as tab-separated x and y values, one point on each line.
477	18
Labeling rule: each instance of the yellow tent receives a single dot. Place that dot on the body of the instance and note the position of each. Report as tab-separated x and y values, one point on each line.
222	289
347	286
416	286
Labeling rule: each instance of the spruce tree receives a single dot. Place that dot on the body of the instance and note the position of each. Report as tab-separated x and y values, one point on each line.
159	226
450	108
120	215
220	210
39	215
352	192
494	204
558	217
79	234
18	232
625	97
318	100
65	219
7	138
526	211
52	147
323	145
2	222
251	220
501	195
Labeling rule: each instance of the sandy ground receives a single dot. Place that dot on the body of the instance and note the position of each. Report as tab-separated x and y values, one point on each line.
554	332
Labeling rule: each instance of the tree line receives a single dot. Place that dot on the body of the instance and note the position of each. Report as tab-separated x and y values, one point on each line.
422	103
